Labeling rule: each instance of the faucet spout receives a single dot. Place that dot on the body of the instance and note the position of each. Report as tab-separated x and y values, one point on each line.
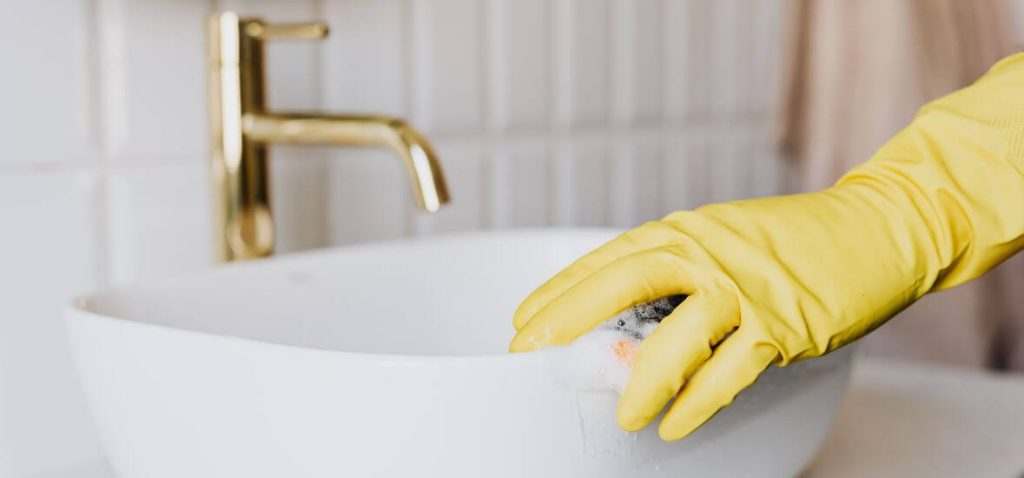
429	188
242	129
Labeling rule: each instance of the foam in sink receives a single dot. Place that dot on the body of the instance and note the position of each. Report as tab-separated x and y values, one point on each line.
602	358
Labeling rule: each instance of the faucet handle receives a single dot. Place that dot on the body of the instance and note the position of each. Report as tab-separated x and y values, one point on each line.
287	31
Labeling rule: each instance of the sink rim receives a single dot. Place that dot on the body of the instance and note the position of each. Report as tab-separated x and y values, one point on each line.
83	306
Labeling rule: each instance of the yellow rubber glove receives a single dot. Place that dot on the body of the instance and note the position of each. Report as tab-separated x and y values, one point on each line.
774	280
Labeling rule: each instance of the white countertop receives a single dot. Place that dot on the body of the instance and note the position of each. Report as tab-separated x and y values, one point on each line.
906	420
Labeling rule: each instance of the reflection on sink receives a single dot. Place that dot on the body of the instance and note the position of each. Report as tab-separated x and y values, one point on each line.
389	360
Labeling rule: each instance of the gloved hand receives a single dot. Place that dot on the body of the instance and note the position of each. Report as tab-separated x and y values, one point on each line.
774	280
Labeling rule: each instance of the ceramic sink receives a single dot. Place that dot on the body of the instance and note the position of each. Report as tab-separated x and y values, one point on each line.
390	360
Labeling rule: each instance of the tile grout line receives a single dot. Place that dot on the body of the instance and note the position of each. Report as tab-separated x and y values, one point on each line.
492	72
669	46
659	144
485	42
560	202
620	196
736	124
103	234
410	96
323	98
323	168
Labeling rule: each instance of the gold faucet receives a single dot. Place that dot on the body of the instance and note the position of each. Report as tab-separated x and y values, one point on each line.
241	128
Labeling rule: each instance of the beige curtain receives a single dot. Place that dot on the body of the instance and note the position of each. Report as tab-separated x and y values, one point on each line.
859	71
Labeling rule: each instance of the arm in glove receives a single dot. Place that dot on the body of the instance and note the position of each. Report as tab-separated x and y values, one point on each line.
774	280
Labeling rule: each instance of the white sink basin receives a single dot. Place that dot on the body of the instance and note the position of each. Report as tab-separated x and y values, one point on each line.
390	360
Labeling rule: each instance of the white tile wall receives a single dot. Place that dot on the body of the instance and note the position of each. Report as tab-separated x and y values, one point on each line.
686	59
158	220
47	87
581	178
518	63
446	53
365	64
636	61
152	72
360	178
51	233
685	171
582	38
636	191
545	112
365	60
519	182
299	184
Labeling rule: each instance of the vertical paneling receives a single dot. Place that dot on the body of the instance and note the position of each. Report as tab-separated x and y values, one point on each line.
519	182
159	220
581	62
681	177
636	61
768	41
722	165
647	61
153	69
299	184
367	197
518	63
45	88
582	79
648	187
686	57
730	29
563	195
622	189
49	242
365	71
363	57
622	70
636	182
447	60
582	183
766	166
729	171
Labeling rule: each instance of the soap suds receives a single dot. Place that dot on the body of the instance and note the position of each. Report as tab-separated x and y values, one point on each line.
603	358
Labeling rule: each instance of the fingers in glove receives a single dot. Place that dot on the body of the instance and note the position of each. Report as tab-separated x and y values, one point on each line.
631	280
734	366
673	352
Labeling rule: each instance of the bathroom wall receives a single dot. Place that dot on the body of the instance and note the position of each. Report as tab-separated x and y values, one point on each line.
545	113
